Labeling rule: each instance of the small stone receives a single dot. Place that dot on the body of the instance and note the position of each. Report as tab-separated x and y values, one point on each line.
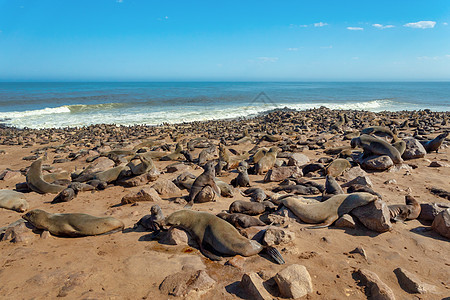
236	261
346	221
45	234
374	216
145	194
411	283
193	284
176	167
8	175
277	236
355	172
390	181
294	281
360	250
441	223
438	164
200	283
376	289
175	236
180	201
362	180
253	285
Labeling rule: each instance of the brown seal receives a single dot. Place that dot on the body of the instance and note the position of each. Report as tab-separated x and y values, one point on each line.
242	179
218	235
376	146
240	220
250	208
72	225
36	182
267	161
328	211
203	181
13	200
409	211
435	143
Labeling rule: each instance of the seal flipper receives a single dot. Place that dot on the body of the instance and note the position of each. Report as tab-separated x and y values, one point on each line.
325	224
274	254
209	254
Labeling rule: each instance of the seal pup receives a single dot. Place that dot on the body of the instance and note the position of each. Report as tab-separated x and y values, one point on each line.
325	213
65	195
256	194
218	235
435	143
154	221
174	155
376	146
240	220
203	180
36	182
250	208
242	179
409	211
13	200
331	188
72	224
297	189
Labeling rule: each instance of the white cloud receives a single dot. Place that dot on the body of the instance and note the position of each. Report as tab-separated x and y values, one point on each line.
382	26
355	28
327	47
428	57
297	26
265	59
119	1
421	24
288	49
445	23
320	24
355	57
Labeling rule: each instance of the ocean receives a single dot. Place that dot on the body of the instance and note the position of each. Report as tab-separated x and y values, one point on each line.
76	104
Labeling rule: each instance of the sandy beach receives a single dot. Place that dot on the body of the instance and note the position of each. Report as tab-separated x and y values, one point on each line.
130	265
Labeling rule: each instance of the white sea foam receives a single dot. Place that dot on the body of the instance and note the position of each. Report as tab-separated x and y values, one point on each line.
67	116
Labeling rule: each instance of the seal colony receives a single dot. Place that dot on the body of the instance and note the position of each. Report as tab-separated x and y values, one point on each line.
247	191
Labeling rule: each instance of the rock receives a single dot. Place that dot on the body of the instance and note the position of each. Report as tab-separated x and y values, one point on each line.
167	188
282	216
145	194
281	173
18	233
236	261
8	175
362	180
298	159
376	289
294	281
187	283
390	181
438	164
377	163
400	167
346	221
277	236
411	283
338	166
374	216
175	236
254	232
355	172
441	223
139	180
253	285
414	149
360	250
428	211
176	167
99	165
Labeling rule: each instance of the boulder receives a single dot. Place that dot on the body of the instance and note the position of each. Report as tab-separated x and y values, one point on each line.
346	221
298	159
281	173
187	283
145	194
376	289
7	175
277	236
374	216
353	173
414	149
362	180
441	223
166	187
253	285
428	211
411	283
294	281
377	163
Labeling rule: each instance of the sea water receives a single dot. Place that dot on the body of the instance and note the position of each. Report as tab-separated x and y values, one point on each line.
75	104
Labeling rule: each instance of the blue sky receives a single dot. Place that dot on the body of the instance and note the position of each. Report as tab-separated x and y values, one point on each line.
146	40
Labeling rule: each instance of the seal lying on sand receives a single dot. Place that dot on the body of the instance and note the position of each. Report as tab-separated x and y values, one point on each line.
241	220
250	208
37	183
409	211
376	146
72	225
13	200
220	236
328	211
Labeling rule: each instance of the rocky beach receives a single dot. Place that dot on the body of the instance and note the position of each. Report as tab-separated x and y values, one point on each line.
378	249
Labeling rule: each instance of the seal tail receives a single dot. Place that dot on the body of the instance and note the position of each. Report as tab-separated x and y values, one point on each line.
274	254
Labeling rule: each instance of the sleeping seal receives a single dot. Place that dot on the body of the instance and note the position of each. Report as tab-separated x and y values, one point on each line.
218	235
72	225
376	146
13	200
328	211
